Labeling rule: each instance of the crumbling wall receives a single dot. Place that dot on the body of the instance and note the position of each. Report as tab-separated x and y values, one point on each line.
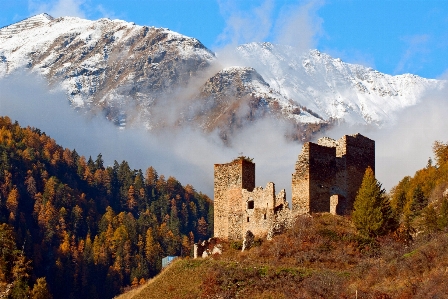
229	180
239	206
328	174
360	154
322	177
259	208
301	182
315	174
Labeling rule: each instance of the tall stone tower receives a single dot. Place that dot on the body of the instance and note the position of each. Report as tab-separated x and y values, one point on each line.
328	174
230	179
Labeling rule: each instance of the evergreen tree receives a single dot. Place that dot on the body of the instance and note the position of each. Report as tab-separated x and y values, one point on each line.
99	163
372	214
419	201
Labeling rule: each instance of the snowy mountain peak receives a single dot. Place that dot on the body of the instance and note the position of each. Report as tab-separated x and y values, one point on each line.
116	66
28	23
103	61
333	88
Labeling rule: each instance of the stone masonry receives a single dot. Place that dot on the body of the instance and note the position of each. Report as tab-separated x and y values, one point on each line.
239	205
328	174
326	179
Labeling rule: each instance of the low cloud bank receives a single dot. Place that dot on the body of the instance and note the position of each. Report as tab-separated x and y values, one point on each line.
404	146
184	153
189	155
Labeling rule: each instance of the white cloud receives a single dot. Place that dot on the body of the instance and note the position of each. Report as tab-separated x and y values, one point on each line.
403	147
245	26
59	8
106	13
185	153
189	154
295	25
414	55
299	26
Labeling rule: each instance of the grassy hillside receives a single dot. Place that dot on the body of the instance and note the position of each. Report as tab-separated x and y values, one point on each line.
325	256
320	257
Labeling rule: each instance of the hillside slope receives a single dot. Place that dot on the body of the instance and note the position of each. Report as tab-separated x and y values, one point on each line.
321	257
88	229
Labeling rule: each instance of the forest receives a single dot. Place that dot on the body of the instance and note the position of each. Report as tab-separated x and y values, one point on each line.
71	227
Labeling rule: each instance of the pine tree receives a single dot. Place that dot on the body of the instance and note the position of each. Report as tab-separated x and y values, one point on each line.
153	251
372	214
419	201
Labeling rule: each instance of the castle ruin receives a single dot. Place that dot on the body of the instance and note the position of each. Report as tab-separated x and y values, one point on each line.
328	174
326	179
239	206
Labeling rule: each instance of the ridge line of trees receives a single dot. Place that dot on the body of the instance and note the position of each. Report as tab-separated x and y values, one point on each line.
86	229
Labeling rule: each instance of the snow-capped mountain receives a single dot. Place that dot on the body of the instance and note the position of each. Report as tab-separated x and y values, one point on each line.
104	63
333	88
238	94
160	77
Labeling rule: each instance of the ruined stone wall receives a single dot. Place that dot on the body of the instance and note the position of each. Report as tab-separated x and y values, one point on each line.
230	179
338	189
328	174
314	178
322	171
239	206
259	208
360	154
301	182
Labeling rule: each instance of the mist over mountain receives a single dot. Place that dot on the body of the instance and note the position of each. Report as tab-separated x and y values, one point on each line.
333	88
159	78
202	107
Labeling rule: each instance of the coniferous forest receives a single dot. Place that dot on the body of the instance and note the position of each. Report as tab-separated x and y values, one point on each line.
72	227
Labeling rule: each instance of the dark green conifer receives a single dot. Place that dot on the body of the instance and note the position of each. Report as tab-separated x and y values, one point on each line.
372	214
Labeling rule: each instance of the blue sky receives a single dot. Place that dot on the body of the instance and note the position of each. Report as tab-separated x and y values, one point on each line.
392	36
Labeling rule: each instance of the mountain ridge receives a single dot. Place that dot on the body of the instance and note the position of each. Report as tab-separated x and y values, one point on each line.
127	71
333	88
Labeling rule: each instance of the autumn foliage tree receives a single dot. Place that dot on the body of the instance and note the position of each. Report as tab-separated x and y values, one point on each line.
88	229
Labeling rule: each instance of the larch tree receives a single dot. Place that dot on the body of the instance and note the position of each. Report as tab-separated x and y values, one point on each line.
40	290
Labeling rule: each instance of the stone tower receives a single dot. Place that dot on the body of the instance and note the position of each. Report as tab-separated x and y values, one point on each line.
328	174
239	205
230	180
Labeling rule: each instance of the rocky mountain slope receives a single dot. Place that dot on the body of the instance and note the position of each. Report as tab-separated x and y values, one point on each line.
160	78
333	88
238	94
107	64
